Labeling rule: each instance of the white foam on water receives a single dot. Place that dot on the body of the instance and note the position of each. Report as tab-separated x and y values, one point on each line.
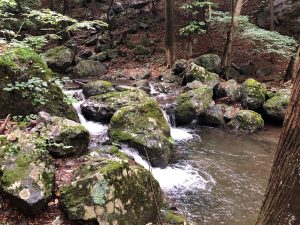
178	178
152	90
181	134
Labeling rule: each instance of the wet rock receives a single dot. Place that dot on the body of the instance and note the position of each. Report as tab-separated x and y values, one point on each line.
180	66
59	58
97	87
144	127
21	65
214	116
253	94
108	189
277	105
229	89
26	173
168	77
142	84
89	68
193	85
211	62
102	107
246	121
230	112
65	137
201	74
192	103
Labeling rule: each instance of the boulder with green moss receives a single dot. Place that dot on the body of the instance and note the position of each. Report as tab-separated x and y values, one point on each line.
59	58
144	127
27	86
253	94
192	103
229	89
277	105
89	68
108	188
97	87
26	173
246	121
211	62
102	107
173	217
64	137
200	73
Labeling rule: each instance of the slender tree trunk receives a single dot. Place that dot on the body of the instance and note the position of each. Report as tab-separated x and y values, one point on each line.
272	17
19	6
51	4
294	65
281	205
65	6
170	36
227	56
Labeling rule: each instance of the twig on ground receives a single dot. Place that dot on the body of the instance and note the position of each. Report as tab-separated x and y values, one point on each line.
3	126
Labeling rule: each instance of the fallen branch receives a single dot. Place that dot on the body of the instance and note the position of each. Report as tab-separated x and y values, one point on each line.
3	126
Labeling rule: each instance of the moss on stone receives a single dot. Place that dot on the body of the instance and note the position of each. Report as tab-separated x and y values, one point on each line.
174	218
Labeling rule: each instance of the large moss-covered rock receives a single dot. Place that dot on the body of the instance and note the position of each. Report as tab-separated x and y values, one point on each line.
229	89
19	65
246	121
64	137
253	94
59	58
192	103
144	127
108	189
200	73
97	87
211	62
26	173
214	116
277	105
102	107
89	68
173	217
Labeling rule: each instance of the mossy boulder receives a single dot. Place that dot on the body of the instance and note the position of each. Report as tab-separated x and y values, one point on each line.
193	85
64	137
192	103
211	62
144	127
101	57
102	107
214	116
179	67
26	173
18	65
59	58
89	68
97	87
253	94
108	189
277	105
200	73
246	121
229	89
173	217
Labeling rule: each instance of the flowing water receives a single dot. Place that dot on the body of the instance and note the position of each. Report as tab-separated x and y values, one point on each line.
217	177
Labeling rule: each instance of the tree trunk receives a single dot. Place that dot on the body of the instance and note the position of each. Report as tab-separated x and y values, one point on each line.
51	4
170	37
272	18
282	200
19	6
65	6
227	56
294	65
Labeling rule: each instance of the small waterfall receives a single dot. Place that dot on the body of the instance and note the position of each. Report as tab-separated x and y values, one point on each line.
153	92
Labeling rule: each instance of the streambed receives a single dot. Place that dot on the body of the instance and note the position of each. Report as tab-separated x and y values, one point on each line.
217	177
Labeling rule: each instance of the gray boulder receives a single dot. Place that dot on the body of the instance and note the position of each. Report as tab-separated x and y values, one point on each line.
97	87
192	103
229	89
211	62
59	58
89	68
214	116
180	66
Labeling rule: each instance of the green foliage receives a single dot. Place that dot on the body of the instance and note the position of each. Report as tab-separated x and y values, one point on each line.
25	119
193	28
264	41
34	88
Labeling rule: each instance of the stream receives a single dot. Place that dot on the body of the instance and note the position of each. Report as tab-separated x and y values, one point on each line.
217	177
